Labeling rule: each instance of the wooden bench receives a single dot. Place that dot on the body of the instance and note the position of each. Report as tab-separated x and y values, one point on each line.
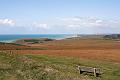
95	71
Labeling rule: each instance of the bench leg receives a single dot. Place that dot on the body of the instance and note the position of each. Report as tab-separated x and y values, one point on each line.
79	70
95	72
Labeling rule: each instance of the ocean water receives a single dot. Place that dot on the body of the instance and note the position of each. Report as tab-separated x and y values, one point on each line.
11	38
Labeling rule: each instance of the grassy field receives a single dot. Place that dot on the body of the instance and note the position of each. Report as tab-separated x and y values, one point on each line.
43	67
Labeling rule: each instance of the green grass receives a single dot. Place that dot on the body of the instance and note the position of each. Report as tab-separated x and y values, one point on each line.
32	40
44	67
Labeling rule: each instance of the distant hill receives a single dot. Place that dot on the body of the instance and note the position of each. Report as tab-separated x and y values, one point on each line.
112	36
101	36
32	41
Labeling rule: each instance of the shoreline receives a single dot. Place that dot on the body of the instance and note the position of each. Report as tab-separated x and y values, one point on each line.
56	37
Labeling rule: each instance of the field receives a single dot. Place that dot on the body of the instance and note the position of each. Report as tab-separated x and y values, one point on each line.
57	60
99	49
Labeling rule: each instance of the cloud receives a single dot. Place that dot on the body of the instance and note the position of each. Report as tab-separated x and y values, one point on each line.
92	22
70	19
79	25
7	22
63	25
39	25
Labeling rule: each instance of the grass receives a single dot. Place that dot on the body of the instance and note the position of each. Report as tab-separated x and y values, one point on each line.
14	46
43	67
38	40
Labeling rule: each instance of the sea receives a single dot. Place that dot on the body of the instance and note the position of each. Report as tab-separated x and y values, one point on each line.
13	37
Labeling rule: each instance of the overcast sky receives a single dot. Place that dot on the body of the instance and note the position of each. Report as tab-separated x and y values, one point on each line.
59	16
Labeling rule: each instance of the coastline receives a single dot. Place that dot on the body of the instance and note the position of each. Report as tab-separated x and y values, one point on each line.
12	38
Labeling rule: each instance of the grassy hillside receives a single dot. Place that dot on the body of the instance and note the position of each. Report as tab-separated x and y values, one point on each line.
112	36
14	46
32	41
42	67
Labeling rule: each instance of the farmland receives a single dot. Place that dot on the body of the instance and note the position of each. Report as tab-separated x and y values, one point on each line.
84	48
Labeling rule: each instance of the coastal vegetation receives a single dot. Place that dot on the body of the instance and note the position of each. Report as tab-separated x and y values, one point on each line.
43	67
32	41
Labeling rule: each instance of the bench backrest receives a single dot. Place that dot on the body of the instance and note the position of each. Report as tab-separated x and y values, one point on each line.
89	69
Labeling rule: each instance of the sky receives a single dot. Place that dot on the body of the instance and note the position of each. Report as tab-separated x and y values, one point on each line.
59	16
